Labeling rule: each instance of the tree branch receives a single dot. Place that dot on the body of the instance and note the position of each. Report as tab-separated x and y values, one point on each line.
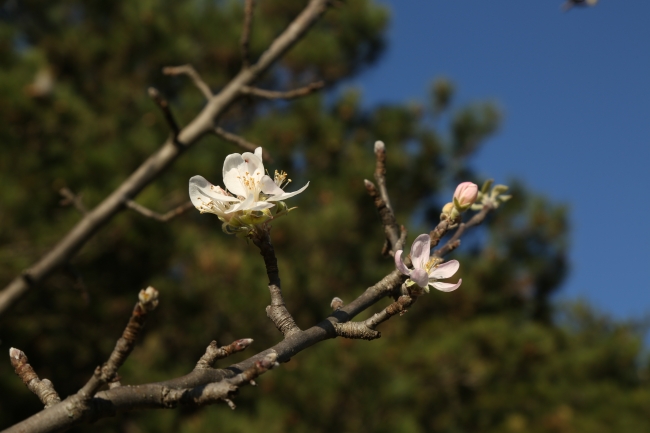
290	94
277	311
70	198
44	389
454	242
190	72
179	210
164	107
159	161
246	32
212	352
241	142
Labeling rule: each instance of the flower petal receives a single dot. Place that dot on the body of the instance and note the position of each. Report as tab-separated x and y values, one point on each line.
252	164
446	287
269	187
244	205
420	277
400	264
258	152
202	191
445	270
261	205
232	161
286	195
420	251
233	181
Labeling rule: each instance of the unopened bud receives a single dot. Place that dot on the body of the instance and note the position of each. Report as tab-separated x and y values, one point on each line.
148	298
465	195
380	147
336	303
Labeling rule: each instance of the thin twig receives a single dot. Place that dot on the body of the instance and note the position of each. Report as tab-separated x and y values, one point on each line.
70	198
190	72
454	241
212	352
179	210
44	389
241	142
290	94
391	229
153	167
365	330
147	302
277	311
246	32
164	106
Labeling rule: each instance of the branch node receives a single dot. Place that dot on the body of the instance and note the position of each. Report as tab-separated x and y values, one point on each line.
43	389
213	353
337	303
70	198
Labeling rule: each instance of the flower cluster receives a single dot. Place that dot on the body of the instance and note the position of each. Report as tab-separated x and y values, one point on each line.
464	197
426	271
251	197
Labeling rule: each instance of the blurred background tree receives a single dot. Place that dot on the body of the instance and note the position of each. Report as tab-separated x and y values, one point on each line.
497	355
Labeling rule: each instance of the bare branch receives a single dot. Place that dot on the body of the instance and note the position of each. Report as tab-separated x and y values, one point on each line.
164	106
179	210
277	311
246	32
212	352
147	301
391	229
438	232
366	330
109	402
190	72
159	161
70	198
272	94
241	142
44	389
454	242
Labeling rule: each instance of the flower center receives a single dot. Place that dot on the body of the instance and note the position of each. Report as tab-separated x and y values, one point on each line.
432	264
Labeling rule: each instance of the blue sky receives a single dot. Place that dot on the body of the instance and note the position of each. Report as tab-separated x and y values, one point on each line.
575	91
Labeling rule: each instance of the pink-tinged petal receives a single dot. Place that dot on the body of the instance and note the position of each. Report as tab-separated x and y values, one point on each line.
269	187
201	192
400	264
420	251
445	270
258	152
420	277
286	195
446	287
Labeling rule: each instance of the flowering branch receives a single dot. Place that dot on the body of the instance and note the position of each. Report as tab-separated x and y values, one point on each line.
277	311
190	72
44	389
290	94
153	167
179	210
241	142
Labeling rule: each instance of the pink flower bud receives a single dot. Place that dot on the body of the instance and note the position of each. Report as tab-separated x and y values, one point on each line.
466	194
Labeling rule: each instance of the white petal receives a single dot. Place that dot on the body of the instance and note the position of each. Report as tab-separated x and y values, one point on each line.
234	160
233	181
269	187
446	287
261	205
252	164
258	152
201	192
286	195
445	270
245	205
400	264
420	251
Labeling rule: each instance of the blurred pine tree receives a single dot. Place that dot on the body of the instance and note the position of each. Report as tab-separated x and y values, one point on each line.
492	357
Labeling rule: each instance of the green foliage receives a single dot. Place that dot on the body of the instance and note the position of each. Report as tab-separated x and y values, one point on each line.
491	357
